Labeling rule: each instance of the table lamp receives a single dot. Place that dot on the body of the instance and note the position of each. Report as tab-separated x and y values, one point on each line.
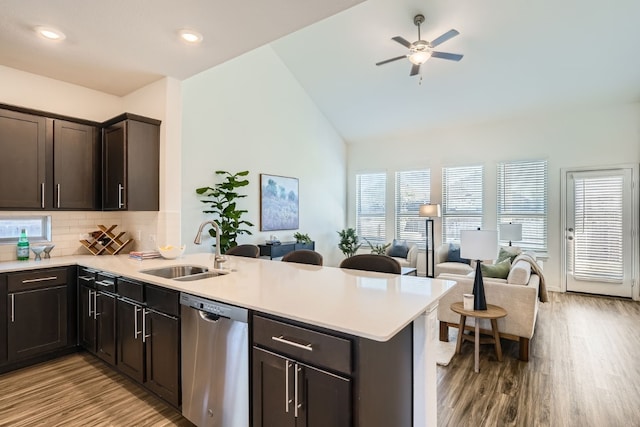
429	211
511	232
479	245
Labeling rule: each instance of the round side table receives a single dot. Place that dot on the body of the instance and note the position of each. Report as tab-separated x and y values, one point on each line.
493	313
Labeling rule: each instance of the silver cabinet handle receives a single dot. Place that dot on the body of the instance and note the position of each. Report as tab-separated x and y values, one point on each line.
295	391
40	279
287	365
58	195
101	283
85	278
282	340
120	196
95	305
90	311
135	322
144	325
13	307
42	195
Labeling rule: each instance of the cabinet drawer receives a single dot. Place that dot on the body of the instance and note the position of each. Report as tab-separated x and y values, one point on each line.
163	300
87	276
106	282
36	279
130	289
304	345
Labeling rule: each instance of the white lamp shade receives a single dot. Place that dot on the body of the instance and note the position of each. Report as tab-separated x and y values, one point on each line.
431	211
511	232
479	244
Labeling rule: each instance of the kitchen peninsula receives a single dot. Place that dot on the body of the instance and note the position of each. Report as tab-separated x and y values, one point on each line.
373	307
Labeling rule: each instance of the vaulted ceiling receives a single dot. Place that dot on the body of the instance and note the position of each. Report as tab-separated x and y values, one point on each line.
518	56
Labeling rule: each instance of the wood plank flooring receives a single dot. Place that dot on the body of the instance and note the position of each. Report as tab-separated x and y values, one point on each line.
583	371
79	390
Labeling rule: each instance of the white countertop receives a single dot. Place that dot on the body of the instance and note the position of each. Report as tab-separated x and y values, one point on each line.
365	304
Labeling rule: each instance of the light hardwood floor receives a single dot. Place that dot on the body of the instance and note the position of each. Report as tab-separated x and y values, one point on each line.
583	371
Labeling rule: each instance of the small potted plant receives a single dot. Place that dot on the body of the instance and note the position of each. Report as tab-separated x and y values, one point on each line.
302	238
378	249
348	242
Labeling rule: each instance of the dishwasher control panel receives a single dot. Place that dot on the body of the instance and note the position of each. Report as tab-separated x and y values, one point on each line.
213	307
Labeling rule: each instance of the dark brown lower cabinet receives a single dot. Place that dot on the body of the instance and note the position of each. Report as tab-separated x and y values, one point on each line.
37	321
105	314
163	355
130	341
86	319
288	393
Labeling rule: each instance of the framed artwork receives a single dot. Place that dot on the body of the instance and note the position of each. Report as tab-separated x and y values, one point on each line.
278	203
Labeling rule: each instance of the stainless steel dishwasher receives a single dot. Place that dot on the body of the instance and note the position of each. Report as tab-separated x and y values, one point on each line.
215	363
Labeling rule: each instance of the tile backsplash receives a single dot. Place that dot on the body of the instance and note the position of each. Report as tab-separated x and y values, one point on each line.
68	228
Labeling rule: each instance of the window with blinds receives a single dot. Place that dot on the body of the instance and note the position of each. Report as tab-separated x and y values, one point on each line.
598	218
413	189
461	201
370	207
522	199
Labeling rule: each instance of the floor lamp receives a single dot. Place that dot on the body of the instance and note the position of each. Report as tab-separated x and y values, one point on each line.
429	212
478	245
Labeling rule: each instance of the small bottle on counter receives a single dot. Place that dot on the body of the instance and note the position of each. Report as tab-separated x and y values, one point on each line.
23	246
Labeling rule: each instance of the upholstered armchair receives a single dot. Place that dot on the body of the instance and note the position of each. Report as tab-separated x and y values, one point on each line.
446	262
409	260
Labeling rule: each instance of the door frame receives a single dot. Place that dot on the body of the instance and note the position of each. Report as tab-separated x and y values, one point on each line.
635	248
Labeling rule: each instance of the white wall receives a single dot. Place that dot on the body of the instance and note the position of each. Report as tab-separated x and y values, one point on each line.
577	137
160	100
251	114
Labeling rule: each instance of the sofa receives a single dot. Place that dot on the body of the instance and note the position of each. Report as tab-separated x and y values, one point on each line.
518	294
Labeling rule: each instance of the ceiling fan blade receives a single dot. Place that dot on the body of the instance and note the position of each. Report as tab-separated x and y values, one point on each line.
443	38
402	41
415	69
445	55
391	60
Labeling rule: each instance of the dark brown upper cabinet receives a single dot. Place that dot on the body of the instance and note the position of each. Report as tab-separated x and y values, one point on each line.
131	162
76	166
22	160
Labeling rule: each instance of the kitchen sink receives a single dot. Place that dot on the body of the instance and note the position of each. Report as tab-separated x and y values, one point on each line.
199	276
176	271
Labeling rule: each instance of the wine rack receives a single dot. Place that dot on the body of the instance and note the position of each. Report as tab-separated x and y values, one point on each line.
106	242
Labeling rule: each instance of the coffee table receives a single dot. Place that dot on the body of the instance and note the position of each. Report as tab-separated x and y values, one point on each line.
493	313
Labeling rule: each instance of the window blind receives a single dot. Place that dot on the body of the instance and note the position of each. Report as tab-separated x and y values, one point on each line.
370	207
522	199
461	201
598	241
413	189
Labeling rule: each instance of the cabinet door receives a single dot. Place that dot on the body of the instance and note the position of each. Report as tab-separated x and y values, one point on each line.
143	166
162	334
323	399
86	320
114	167
22	163
105	314
37	321
130	345
3	319
75	165
273	387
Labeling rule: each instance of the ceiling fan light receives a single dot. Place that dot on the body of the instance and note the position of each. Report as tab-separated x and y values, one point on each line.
419	57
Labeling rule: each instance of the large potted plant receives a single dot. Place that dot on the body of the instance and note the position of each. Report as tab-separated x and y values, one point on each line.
348	242
222	200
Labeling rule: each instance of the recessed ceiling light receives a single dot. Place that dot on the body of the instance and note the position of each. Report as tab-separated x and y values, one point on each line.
190	36
50	33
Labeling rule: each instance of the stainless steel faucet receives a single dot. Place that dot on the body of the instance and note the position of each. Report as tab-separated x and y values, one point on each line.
218	258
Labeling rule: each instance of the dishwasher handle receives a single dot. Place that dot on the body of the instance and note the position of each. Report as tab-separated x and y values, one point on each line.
209	317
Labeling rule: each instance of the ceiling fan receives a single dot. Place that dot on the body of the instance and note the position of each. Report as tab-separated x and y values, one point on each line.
421	50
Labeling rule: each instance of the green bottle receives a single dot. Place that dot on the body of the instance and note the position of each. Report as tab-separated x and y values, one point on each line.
23	246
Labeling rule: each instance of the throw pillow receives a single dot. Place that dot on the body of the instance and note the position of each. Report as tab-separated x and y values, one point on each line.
498	271
454	255
399	249
508	252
